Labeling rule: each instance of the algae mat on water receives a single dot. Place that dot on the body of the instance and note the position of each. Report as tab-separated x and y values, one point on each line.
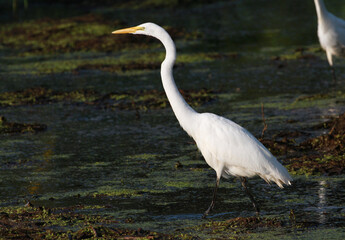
127	100
321	155
31	222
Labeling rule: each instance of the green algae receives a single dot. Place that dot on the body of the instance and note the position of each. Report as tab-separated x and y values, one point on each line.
128	100
179	184
320	100
266	227
327	164
41	95
64	223
317	100
237	228
320	155
54	36
80	62
144	156
86	33
77	223
298	54
110	191
84	43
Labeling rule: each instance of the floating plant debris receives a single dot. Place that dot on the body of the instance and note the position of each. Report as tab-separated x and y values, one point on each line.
41	95
241	225
89	32
322	155
32	222
126	100
14	127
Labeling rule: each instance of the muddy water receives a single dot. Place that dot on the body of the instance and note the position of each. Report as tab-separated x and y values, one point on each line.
144	171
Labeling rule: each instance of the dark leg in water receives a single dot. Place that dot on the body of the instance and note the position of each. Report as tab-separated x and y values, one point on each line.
249	194
213	199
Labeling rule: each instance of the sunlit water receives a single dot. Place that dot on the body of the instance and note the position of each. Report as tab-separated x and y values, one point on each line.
110	158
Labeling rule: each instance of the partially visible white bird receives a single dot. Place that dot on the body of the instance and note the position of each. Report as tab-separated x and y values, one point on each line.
331	33
227	147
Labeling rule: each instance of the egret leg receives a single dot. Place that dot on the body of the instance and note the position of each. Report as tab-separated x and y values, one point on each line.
249	194
213	199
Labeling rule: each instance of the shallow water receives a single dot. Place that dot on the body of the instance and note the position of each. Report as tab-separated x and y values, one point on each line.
126	165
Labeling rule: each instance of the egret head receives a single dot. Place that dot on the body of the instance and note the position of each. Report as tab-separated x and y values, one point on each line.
153	30
145	29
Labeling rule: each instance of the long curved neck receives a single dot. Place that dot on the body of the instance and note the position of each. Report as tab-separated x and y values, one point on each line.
321	10
183	112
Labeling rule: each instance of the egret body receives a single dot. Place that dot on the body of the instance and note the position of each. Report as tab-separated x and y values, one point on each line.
227	147
331	33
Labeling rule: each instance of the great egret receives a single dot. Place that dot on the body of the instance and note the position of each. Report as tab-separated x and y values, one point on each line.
227	147
331	33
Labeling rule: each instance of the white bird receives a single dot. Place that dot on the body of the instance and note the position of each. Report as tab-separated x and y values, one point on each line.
227	147
331	33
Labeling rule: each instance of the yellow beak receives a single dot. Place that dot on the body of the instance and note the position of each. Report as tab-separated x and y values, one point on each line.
128	30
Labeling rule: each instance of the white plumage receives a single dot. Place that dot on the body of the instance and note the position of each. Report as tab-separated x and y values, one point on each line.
331	32
227	147
231	150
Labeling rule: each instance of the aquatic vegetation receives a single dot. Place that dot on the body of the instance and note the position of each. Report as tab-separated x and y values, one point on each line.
326	153
321	155
297	54
78	63
66	48
90	32
179	184
319	100
109	191
78	222
315	165
83	43
41	95
7	127
32	222
127	100
240	225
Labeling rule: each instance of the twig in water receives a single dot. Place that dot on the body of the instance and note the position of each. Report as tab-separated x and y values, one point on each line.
95	234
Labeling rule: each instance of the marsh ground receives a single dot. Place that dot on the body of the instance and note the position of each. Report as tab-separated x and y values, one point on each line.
90	147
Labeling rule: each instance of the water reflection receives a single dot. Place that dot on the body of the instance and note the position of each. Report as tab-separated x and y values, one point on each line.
35	186
322	193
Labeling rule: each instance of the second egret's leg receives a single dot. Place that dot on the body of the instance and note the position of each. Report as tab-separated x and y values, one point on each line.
213	199
249	194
